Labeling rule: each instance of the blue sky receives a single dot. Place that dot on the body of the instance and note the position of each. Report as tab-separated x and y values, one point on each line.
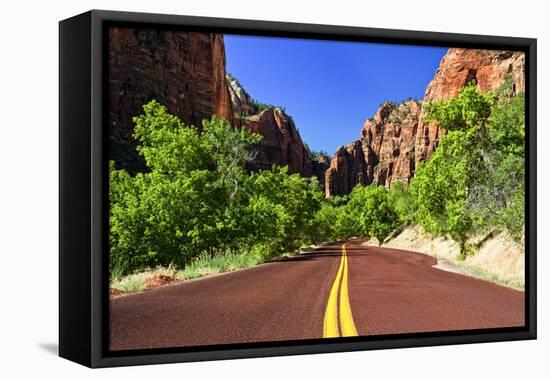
330	88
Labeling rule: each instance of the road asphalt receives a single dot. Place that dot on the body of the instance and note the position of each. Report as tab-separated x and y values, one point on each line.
338	290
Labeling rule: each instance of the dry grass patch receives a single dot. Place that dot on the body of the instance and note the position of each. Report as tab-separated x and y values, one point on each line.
499	259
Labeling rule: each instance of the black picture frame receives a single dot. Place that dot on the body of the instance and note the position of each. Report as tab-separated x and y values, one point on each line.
83	227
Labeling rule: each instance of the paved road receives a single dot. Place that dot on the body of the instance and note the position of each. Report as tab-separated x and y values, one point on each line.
336	290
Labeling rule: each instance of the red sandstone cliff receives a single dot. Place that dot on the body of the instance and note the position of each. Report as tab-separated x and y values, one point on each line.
281	143
183	71
384	153
486	68
187	73
396	139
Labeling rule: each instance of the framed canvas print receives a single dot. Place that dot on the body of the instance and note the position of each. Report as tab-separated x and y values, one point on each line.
234	188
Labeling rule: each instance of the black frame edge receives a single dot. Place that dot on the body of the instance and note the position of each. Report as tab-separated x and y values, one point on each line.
75	334
531	186
321	31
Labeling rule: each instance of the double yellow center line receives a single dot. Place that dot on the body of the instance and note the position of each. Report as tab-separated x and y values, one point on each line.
339	299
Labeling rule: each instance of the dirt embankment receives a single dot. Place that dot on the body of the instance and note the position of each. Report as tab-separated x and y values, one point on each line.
498	258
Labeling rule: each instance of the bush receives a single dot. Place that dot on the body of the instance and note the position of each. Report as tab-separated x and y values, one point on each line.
197	199
181	206
371	209
474	181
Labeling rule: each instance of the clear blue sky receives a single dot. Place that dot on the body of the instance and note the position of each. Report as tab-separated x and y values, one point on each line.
330	88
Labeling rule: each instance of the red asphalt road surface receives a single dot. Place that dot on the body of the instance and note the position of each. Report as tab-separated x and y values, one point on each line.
390	291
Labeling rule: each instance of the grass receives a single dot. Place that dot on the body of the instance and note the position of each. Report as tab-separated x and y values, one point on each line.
204	265
131	283
117	271
460	265
483	274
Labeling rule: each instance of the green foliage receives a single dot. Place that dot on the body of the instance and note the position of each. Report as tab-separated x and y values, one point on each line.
197	208
402	202
284	204
320	155
198	199
204	264
371	210
261	106
324	224
440	188
475	179
180	207
506	162
470	109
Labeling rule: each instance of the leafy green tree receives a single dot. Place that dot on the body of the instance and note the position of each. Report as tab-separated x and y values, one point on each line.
475	178
402	202
470	109
440	188
323	227
187	202
505	159
296	199
371	210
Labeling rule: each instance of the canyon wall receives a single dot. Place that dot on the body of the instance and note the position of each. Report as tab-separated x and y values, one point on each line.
186	72
397	138
281	142
183	71
486	68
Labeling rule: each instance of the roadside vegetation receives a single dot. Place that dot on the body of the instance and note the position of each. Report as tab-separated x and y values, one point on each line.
198	210
197	205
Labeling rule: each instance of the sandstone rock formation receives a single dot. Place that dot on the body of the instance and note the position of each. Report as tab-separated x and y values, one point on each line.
184	71
397	138
486	68
281	143
241	102
384	153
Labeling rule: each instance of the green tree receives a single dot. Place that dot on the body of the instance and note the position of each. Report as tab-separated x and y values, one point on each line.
402	202
294	198
475	178
470	109
505	160
372	212
324	224
440	188
187	202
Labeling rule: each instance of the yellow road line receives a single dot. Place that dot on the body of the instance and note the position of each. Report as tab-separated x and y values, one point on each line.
330	326
339	290
346	319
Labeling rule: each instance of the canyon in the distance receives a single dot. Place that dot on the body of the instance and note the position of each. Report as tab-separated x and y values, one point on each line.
186	71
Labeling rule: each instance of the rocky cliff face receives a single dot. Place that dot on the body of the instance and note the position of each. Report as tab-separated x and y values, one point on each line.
183	71
241	102
486	68
397	138
186	72
389	138
281	143
384	153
